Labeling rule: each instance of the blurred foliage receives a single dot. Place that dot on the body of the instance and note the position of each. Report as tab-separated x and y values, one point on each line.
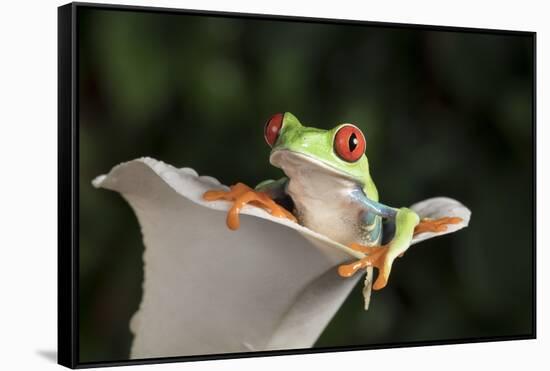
444	113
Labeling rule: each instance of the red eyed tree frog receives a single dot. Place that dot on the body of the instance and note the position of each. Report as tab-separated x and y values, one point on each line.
332	192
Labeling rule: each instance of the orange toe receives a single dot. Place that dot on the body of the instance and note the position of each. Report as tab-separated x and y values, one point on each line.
241	195
435	225
376	258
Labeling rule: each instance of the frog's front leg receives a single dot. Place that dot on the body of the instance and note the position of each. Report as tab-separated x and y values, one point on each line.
382	257
435	225
262	196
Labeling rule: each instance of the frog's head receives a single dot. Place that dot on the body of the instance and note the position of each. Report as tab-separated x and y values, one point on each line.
338	152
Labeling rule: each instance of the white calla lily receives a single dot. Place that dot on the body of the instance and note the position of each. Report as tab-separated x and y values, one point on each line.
273	284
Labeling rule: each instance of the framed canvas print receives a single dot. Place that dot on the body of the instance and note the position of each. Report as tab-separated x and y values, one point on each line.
240	185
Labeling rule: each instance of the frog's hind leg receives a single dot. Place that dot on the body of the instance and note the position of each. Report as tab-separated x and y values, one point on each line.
384	256
376	257
435	225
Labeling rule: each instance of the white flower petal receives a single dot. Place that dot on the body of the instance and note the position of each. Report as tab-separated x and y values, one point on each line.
210	290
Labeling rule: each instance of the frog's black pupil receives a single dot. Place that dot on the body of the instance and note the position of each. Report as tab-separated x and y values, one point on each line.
352	142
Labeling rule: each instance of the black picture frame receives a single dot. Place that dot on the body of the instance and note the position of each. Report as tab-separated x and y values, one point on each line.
68	184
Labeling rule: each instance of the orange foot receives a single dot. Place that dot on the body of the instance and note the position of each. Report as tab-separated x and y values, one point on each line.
241	195
376	257
435	225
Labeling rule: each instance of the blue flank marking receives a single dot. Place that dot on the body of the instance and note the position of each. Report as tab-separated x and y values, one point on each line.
371	219
373	214
373	207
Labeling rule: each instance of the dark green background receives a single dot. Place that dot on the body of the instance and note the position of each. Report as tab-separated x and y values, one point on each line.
444	113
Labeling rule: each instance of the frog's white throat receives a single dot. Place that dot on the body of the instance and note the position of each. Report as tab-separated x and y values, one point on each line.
300	166
321	195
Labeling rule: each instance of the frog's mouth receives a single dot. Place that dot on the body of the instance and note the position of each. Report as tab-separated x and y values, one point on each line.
296	164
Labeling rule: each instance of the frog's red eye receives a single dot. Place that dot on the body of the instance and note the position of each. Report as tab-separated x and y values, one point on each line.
272	128
349	143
